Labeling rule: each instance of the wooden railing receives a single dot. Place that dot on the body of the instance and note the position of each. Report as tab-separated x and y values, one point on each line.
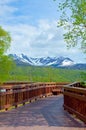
15	94
75	100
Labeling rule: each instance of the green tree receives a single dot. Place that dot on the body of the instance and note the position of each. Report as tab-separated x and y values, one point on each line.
5	61
73	19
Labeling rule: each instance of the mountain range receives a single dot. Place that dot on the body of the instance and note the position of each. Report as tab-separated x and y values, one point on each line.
57	62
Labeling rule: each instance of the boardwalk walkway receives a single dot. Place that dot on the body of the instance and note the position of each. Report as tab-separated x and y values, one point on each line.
44	114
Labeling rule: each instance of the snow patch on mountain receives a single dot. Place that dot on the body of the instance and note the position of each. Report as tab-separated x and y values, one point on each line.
43	61
67	63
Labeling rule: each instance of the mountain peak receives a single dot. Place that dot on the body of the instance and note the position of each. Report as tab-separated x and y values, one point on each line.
43	61
58	62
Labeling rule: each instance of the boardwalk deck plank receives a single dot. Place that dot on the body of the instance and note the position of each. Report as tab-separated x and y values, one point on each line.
44	114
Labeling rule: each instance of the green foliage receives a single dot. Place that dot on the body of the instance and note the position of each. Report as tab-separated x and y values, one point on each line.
44	74
5	61
83	84
83	75
5	40
73	19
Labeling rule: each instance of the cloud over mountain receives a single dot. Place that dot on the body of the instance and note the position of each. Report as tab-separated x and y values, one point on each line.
33	29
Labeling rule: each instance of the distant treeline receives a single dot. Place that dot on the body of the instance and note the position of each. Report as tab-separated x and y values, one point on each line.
44	74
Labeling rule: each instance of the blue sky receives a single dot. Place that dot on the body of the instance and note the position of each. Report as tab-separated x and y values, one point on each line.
32	25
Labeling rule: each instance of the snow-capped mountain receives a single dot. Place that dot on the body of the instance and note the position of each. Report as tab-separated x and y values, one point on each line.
44	61
58	62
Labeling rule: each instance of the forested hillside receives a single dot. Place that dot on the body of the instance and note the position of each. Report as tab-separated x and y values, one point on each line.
45	74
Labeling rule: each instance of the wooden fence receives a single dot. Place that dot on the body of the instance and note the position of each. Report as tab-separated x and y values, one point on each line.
13	94
75	100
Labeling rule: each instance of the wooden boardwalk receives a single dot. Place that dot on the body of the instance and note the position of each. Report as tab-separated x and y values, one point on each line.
44	114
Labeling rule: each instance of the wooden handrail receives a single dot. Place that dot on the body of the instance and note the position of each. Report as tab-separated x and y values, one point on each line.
75	100
22	93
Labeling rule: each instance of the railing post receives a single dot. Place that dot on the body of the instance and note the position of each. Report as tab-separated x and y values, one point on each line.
21	93
75	100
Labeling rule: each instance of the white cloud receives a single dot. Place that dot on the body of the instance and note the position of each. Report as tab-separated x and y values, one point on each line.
6	1
6	10
39	41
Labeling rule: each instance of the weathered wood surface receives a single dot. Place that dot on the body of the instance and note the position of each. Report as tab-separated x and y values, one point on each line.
75	100
43	114
21	93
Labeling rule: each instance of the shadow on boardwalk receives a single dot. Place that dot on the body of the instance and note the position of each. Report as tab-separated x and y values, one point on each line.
44	112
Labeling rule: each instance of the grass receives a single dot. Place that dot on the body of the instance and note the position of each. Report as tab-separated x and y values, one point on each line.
45	74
